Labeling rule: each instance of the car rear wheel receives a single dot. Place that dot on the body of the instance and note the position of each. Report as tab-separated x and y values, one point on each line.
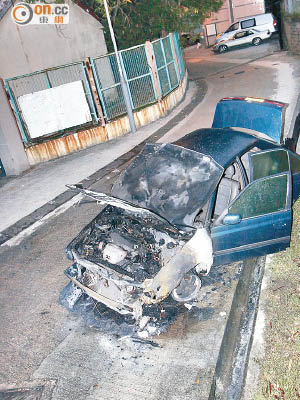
256	41
223	48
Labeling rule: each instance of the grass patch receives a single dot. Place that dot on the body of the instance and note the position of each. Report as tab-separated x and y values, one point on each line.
280	370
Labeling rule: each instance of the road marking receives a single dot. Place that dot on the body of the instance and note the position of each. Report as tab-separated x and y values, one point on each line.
16	240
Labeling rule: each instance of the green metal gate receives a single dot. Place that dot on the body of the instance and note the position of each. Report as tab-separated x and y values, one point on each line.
46	79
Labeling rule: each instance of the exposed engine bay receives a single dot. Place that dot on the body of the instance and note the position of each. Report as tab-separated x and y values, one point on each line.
127	245
127	262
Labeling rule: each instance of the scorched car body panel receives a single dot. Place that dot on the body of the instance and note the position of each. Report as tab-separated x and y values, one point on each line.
215	196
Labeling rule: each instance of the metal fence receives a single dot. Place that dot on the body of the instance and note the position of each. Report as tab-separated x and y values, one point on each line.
138	74
151	71
179	54
46	79
138	77
166	65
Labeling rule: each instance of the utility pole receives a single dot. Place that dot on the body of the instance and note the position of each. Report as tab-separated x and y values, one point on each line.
231	11
122	80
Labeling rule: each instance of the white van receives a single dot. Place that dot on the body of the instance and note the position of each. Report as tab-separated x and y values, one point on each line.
262	22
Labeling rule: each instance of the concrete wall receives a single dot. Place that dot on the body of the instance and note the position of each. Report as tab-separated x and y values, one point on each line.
292	34
291	6
30	48
12	153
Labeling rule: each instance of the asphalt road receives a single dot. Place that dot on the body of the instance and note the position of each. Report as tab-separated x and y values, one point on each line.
41	341
213	63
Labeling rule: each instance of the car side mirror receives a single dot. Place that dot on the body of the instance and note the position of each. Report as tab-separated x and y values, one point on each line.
232	219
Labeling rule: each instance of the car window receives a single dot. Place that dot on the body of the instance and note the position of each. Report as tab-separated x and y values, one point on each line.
228	189
233	27
245	160
248	23
295	163
240	35
269	163
263	196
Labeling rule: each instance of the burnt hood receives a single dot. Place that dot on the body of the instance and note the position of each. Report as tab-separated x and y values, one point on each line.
169	180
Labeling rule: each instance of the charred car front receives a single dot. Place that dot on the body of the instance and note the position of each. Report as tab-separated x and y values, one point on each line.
215	196
142	244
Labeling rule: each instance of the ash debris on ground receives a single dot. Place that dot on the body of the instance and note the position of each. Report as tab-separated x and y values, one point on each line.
157	318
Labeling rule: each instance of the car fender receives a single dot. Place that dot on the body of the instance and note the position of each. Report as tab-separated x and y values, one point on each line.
198	251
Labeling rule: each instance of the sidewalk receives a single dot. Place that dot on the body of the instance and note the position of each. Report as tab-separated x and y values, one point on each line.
21	196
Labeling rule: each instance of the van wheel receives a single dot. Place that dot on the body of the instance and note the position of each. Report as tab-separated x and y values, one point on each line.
256	41
223	48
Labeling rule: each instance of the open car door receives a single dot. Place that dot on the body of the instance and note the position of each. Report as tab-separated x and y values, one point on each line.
258	220
264	116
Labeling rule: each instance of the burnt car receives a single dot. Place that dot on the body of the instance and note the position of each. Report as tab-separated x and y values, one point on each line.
215	196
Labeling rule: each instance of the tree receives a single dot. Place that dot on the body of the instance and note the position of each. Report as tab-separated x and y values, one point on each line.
136	21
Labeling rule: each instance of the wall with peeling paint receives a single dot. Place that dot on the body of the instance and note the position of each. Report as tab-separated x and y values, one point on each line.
89	137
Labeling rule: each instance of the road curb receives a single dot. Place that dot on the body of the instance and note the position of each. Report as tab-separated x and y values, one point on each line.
43	211
231	368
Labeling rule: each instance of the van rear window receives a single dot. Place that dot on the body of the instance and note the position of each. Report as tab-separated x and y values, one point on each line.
248	23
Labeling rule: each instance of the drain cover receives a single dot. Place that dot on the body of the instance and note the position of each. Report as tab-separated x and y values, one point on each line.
38	389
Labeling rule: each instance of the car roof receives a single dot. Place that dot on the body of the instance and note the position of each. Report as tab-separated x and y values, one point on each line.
223	145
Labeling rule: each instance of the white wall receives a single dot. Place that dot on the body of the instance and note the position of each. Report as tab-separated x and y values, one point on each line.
25	49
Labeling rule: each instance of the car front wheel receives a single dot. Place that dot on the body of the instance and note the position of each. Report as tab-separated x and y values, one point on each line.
256	41
223	48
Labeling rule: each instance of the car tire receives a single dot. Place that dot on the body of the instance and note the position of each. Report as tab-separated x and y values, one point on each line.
188	289
223	48
256	41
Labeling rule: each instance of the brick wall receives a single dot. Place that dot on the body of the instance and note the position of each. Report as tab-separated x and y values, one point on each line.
292	34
